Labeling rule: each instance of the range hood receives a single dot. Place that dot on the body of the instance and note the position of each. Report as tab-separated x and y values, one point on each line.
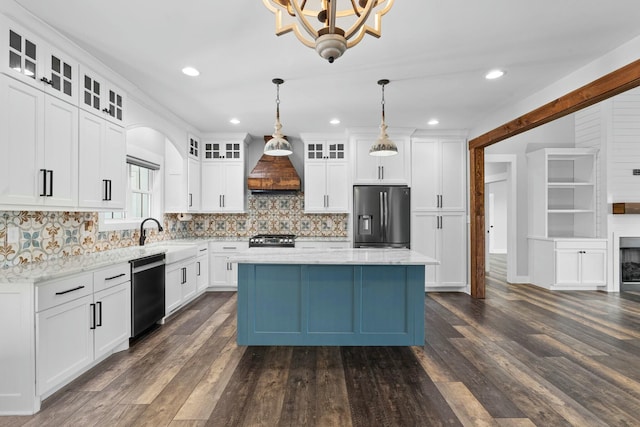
273	173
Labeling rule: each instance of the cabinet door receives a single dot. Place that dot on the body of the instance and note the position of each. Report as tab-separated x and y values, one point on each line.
194	185
213	186
190	283
396	169
113	166
593	267
21	142
234	181
425	178
337	188
173	288
61	152
91	186
21	54
453	174
424	239
453	250
64	343
219	267
567	267
315	188
61	73
366	167
202	273
113	318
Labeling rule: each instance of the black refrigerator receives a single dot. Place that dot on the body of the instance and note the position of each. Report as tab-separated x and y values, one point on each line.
382	216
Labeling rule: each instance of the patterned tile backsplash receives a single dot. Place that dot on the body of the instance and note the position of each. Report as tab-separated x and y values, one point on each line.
48	235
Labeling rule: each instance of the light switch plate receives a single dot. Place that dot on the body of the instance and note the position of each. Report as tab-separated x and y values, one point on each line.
13	234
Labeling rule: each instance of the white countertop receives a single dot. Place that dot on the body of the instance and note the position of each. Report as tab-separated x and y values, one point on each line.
335	256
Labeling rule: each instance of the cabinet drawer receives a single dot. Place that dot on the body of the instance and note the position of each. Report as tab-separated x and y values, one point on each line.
581	244
108	277
50	294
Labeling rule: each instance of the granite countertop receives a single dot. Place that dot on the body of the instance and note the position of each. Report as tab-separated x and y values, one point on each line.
336	256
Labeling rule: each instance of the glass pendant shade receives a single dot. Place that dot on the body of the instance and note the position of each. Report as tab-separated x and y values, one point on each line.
278	145
383	145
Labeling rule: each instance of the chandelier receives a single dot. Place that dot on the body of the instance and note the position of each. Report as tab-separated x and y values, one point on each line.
334	29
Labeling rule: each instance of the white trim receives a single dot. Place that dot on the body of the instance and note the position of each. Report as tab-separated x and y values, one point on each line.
512	213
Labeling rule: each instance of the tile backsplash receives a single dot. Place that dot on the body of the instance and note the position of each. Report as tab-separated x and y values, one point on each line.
48	235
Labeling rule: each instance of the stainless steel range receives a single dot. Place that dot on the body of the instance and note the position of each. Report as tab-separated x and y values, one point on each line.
273	241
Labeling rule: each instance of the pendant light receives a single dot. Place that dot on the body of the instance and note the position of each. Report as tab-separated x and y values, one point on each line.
383	145
278	145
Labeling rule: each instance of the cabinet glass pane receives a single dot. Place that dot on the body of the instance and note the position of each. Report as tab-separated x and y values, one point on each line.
29	69
87	98
96	87
87	83
15	41
67	71
15	61
67	87
55	64
55	81
30	50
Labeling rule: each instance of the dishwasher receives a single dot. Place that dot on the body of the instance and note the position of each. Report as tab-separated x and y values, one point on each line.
147	292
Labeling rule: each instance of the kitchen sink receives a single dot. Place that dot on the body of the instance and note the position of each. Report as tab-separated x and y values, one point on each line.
178	252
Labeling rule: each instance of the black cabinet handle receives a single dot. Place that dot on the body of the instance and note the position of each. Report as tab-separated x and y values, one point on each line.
190	199
105	193
70	290
44	183
99	303
93	316
202	250
198	268
115	277
109	189
50	192
106	110
47	81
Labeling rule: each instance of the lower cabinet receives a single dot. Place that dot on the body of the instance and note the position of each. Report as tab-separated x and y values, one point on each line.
180	284
202	268
76	325
577	263
224	274
442	236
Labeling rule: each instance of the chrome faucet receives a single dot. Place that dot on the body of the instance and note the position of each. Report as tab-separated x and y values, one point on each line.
143	232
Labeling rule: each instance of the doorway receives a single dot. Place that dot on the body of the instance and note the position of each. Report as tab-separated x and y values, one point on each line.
500	216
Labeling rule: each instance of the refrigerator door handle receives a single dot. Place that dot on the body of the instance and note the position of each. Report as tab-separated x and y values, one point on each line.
382	214
386	215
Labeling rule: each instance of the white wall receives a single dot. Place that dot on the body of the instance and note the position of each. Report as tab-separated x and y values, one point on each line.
558	133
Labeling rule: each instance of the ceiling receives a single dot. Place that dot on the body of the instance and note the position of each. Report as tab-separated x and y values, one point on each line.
435	53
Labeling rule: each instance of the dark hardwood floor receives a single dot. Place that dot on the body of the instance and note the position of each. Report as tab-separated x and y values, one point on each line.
521	357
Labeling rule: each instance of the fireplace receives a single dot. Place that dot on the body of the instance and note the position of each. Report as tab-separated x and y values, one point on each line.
629	261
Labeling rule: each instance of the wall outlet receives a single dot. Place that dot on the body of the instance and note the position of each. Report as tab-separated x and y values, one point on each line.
13	234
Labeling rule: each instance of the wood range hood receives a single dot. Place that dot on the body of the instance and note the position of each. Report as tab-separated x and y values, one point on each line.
273	174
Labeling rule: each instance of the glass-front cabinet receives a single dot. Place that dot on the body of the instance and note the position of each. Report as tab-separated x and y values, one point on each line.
326	174
38	64
102	98
223	150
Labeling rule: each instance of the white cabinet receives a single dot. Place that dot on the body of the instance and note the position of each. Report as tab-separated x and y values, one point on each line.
576	264
180	284
381	170
326	177
194	185
39	142
101	97
224	274
223	179
202	268
442	236
80	320
223	186
102	163
36	63
438	174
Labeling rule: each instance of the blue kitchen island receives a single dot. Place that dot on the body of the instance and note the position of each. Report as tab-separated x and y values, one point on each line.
344	297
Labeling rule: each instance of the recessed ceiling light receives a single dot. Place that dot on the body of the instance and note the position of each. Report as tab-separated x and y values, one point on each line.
494	74
234	121
433	122
190	71
334	121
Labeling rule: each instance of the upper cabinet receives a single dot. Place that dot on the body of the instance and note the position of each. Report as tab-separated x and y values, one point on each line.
36	63
381	170
439	174
223	173
326	175
100	97
38	146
